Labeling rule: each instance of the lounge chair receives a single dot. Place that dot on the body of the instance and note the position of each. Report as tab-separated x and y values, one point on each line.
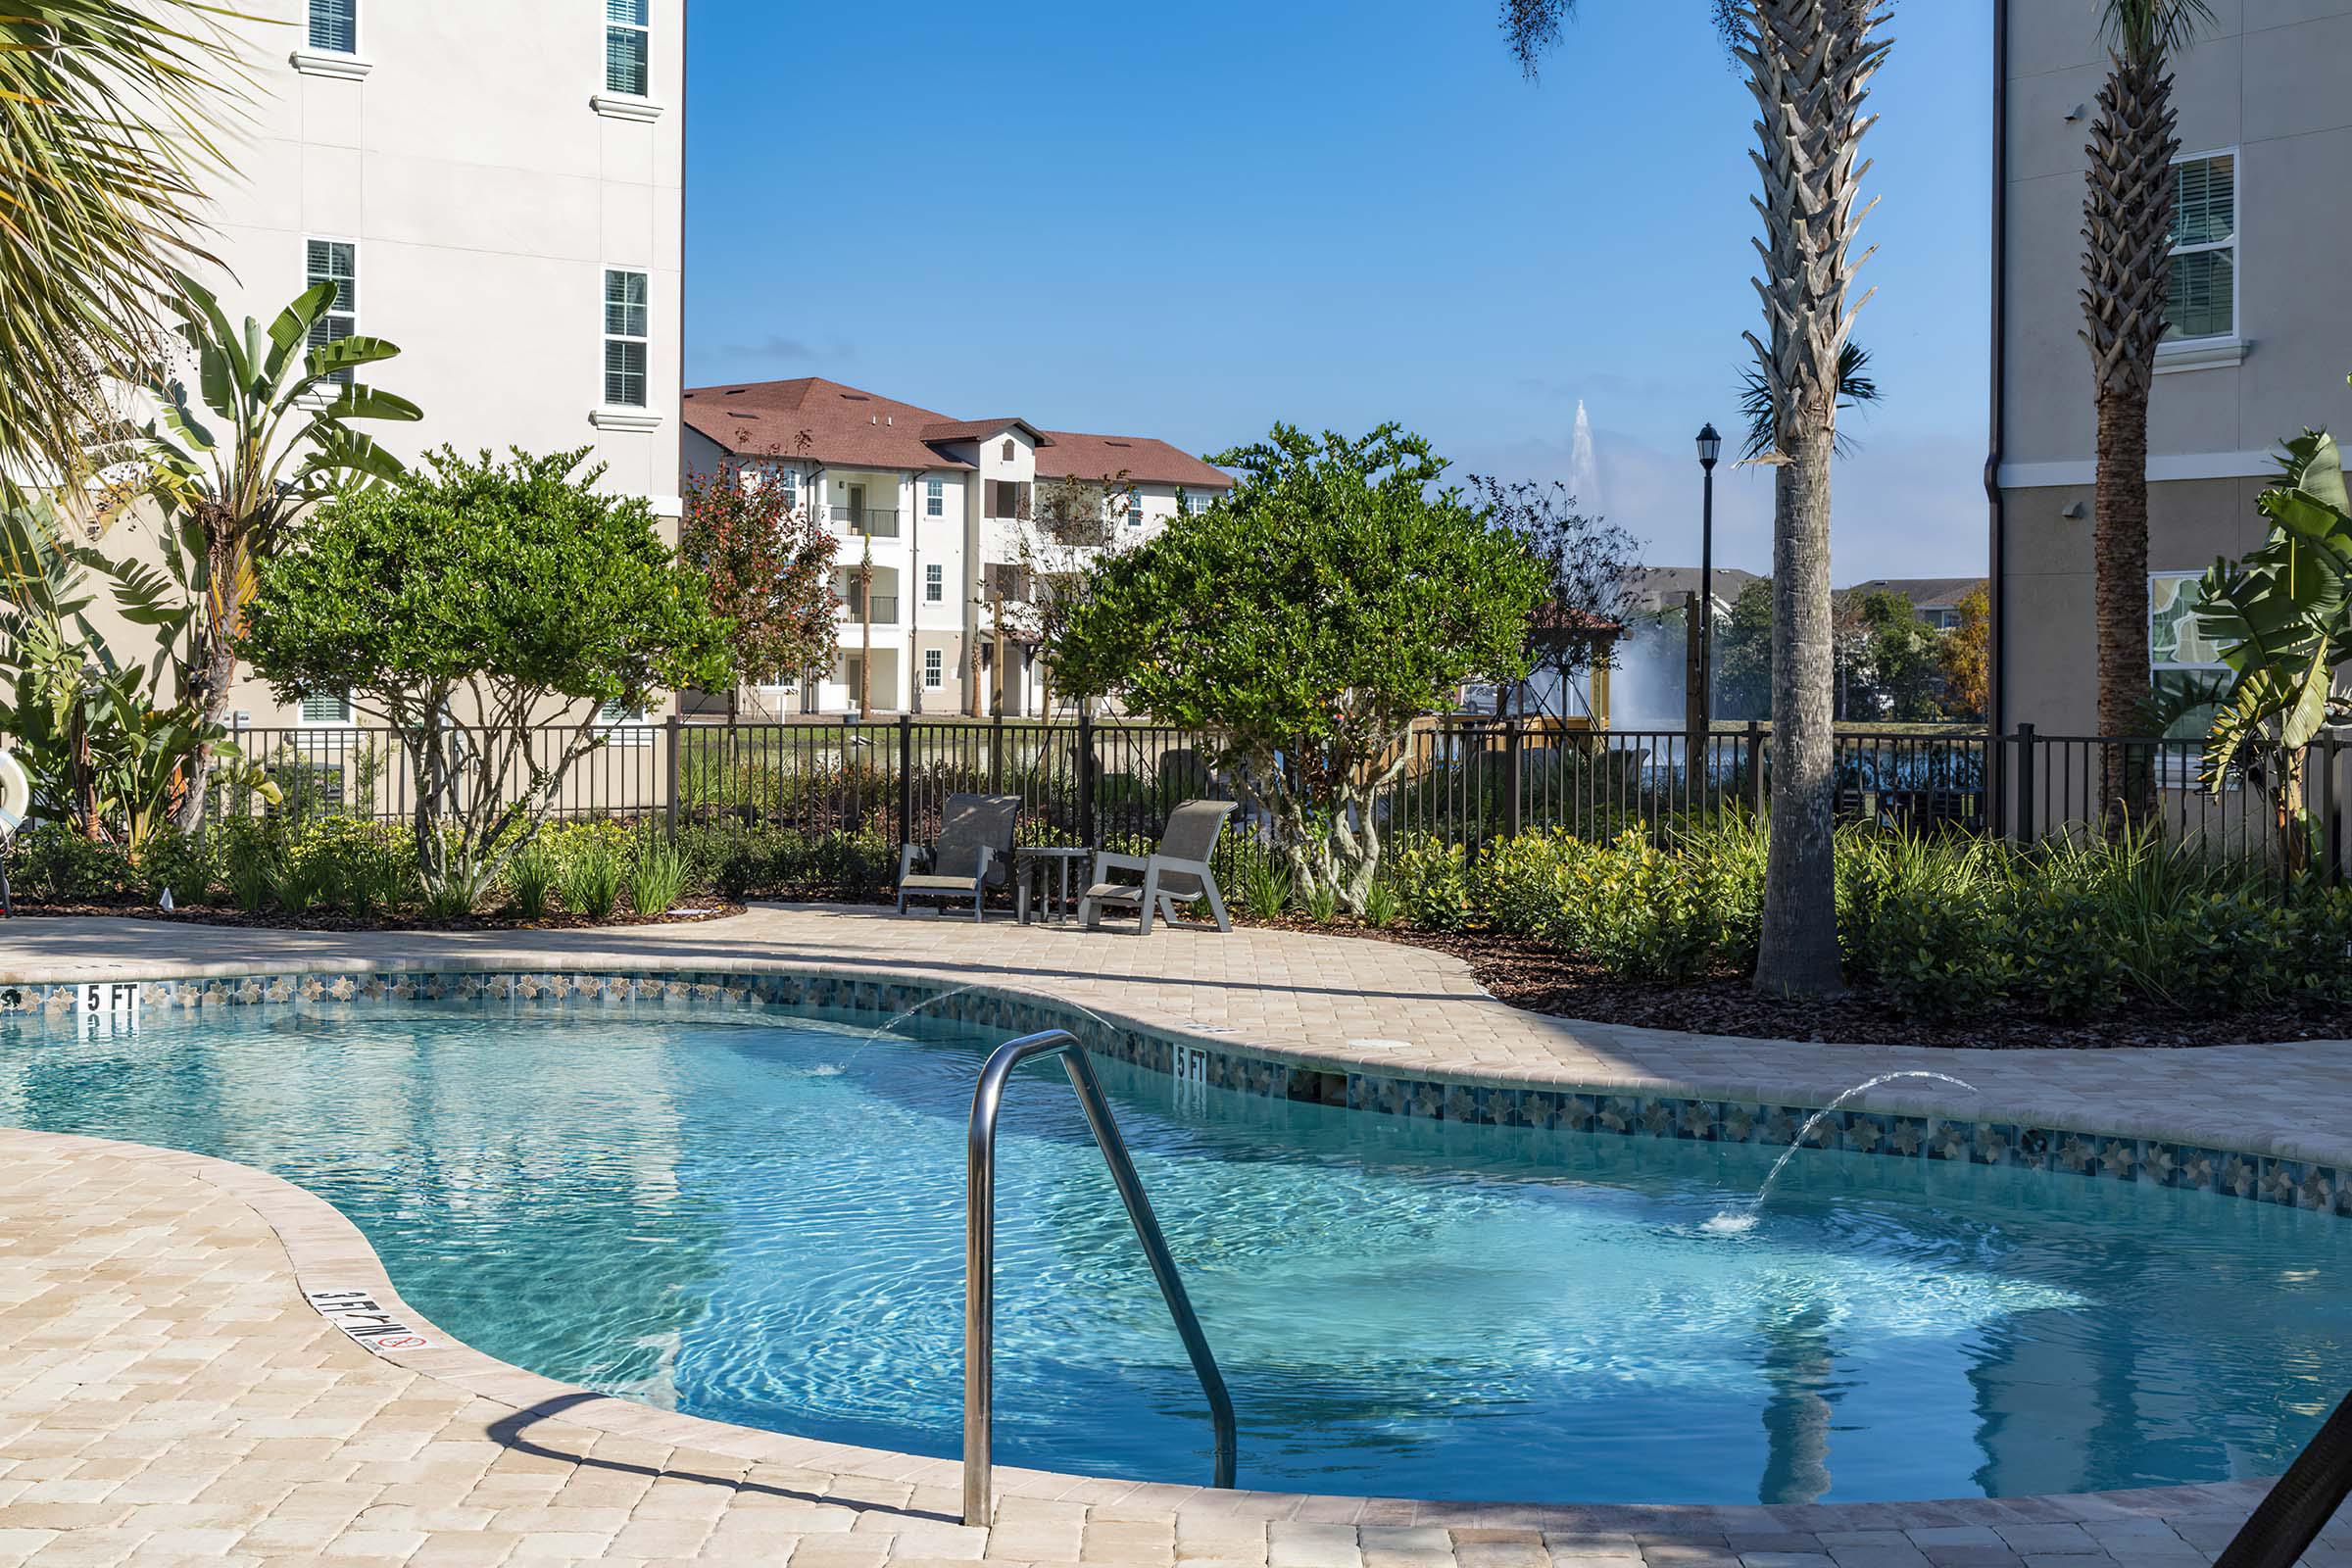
1174	874
973	852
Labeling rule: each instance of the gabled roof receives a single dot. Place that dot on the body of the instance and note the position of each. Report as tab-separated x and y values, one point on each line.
1143	460
820	421
1923	592
983	429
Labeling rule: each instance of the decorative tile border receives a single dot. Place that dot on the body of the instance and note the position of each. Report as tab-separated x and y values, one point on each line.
2263	1178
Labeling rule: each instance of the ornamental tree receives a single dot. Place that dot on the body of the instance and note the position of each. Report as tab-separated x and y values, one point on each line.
1304	624
487	612
768	566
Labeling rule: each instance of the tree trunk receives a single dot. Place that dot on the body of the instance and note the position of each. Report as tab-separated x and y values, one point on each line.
2120	591
1799	951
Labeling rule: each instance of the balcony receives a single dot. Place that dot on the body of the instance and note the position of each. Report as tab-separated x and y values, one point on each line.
886	608
867	523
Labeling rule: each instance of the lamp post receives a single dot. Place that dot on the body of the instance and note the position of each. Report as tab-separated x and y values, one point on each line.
1710	447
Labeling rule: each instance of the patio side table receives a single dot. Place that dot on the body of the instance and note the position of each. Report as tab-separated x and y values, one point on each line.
1032	862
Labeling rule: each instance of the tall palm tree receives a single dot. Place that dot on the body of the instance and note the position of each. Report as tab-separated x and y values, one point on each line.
1809	64
108	113
2127	273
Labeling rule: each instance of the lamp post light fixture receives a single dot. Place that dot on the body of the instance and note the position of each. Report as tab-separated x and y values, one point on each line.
1710	448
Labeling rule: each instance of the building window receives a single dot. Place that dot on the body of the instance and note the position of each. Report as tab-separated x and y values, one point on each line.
786	480
935	669
336	262
335	25
625	340
326	708
2202	301
1196	502
1008	449
628	39
1135	509
935	498
935	583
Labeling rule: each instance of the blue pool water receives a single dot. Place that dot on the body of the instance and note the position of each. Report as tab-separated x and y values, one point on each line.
758	1217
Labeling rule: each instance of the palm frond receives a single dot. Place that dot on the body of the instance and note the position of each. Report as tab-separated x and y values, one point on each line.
1856	388
109	111
1534	26
2143	31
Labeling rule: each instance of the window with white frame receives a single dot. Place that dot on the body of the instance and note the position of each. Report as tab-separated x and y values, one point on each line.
1135	509
336	262
327	708
2202	299
786	480
335	25
935	669
626	334
1196	502
935	498
628	47
935	583
625	725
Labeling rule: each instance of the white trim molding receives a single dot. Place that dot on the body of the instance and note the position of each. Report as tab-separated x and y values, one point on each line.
611	418
321	63
619	105
2162	469
2200	354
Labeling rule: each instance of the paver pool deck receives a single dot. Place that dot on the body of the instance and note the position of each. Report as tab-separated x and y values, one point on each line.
168	1395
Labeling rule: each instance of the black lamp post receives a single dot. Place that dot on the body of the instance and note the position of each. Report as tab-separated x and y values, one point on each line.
1710	447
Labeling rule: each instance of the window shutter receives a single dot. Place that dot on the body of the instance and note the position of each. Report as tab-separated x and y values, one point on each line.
334	26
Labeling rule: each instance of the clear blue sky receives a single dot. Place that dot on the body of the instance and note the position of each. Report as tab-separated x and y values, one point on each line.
1191	220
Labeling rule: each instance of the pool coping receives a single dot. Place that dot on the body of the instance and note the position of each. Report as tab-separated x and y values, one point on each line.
327	1252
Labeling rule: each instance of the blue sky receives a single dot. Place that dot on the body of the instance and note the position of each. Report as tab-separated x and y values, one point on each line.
1191	220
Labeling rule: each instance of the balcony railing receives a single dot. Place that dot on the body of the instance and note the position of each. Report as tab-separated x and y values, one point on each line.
869	522
885	609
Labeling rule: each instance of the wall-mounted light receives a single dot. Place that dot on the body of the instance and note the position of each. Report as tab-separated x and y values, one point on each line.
2074	511
2079	112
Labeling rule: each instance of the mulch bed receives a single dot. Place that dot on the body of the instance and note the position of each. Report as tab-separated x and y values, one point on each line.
1537	978
204	915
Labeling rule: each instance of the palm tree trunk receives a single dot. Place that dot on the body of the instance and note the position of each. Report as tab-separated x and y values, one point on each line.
2120	589
1798	951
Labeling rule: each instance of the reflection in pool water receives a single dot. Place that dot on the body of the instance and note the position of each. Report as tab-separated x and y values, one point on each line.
749	1216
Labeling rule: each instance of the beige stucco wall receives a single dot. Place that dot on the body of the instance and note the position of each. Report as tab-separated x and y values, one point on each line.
2267	81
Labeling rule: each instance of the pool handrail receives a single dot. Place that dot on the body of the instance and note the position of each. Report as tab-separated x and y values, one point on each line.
980	1259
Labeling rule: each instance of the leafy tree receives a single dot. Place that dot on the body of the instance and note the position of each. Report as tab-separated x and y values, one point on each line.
768	567
2282	618
1589	562
1072	523
487	613
231	490
1305	621
1809	64
1966	657
1743	656
2127	215
109	112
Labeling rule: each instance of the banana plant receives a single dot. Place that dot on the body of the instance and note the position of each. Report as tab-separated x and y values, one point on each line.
266	433
2282	616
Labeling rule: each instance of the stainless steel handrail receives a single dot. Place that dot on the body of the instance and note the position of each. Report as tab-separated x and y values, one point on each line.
980	1259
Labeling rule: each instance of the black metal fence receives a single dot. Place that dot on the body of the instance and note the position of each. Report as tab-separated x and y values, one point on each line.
1464	781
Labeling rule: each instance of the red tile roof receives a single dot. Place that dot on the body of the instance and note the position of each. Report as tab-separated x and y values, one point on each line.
850	429
1143	460
843	426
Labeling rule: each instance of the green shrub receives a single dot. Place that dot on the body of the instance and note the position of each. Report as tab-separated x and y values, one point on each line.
2222	952
530	877
590	878
51	864
1383	907
2059	949
1321	902
446	903
1266	888
299	882
1517	884
2326	931
1929	954
364	867
657	878
1636	910
1725	853
186	864
1430	883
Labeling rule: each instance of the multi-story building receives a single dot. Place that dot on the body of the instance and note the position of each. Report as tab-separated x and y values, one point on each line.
2261	331
937	518
498	189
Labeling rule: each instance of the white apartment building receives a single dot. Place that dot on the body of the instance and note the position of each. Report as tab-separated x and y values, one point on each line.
944	508
496	186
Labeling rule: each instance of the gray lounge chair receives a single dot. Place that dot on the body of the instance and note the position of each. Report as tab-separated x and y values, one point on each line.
1174	874
973	853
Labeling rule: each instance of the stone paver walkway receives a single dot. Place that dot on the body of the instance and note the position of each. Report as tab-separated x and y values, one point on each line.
168	1396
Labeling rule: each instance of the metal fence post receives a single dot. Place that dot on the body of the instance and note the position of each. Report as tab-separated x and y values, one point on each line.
1514	786
906	780
2024	785
996	754
1755	768
1089	833
2332	827
676	730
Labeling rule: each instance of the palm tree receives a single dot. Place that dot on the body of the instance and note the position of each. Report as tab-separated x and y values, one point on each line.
107	122
2127	273
1856	388
1809	64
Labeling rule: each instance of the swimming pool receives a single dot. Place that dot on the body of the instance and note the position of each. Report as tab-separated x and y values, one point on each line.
756	1216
